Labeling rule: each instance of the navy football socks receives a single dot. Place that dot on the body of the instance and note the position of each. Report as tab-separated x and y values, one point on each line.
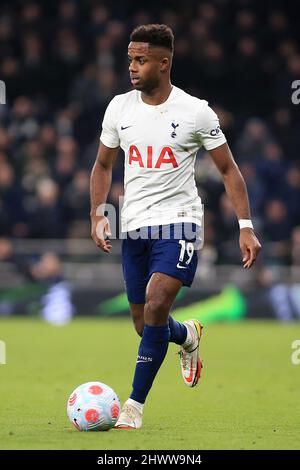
152	351
178	331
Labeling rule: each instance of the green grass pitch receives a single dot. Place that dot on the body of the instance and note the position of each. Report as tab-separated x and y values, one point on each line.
248	396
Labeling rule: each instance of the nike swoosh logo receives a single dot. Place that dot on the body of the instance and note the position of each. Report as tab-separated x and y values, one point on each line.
123	128
146	362
190	377
181	267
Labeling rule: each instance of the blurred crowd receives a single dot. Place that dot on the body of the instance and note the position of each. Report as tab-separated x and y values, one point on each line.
63	61
39	288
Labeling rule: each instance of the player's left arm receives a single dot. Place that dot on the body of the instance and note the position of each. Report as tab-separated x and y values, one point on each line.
237	192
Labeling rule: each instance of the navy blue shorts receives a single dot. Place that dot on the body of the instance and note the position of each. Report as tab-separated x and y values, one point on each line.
169	249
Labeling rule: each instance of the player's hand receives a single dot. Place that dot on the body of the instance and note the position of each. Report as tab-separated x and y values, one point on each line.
101	230
250	246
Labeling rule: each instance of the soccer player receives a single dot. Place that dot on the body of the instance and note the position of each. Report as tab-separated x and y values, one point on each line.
160	129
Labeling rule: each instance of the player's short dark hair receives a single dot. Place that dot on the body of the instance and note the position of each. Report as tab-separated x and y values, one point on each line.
155	34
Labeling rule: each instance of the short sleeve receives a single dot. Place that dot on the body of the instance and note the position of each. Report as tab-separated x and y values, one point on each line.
207	128
109	135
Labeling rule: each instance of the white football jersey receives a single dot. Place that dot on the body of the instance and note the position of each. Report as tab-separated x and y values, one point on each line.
160	144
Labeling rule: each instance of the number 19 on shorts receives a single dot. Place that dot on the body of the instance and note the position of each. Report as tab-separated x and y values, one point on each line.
188	249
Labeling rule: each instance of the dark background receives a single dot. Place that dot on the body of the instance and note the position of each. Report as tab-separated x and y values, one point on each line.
62	62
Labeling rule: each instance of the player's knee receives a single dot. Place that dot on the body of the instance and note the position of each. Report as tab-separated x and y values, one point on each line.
156	306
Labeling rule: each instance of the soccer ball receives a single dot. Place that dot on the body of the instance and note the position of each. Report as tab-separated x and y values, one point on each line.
93	406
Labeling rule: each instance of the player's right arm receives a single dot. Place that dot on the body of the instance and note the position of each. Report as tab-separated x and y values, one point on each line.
100	184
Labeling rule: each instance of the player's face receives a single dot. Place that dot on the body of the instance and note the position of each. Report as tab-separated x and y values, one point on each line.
145	66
